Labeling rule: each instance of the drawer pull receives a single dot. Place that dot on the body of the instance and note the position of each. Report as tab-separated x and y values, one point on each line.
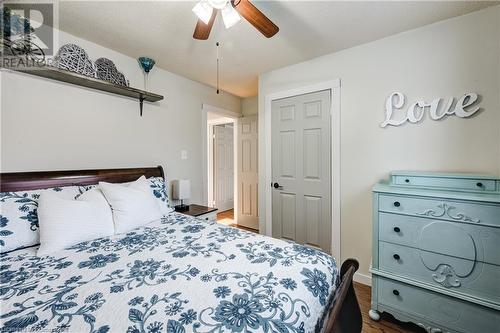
396	229
479	184
396	256
407	180
397	204
395	292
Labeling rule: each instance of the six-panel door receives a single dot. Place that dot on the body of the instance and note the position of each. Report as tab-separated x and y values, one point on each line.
248	180
301	169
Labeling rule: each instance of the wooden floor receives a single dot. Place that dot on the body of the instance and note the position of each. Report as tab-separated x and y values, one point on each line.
226	215
387	323
227	218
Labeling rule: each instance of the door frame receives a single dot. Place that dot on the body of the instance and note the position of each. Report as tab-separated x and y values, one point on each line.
205	108
334	87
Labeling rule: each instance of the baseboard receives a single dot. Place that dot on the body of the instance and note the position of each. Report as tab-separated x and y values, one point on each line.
363	278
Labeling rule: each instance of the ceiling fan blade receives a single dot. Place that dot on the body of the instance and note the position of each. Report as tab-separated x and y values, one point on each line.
255	17
202	30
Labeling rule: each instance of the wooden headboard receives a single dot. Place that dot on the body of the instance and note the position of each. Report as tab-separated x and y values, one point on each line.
25	181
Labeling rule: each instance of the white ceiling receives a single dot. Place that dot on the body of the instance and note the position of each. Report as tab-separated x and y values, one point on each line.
163	30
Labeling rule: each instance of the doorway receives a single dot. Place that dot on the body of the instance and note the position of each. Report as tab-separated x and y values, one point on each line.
242	210
221	164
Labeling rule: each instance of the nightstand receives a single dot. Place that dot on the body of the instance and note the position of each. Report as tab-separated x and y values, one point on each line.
201	212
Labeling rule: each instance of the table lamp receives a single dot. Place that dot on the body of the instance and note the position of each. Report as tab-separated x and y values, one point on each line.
181	189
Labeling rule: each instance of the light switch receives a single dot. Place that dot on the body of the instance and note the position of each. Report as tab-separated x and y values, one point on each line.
184	155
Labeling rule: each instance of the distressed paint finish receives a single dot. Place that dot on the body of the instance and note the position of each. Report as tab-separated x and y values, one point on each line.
435	251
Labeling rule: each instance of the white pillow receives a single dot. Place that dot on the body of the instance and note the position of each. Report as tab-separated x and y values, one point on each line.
65	222
132	204
146	185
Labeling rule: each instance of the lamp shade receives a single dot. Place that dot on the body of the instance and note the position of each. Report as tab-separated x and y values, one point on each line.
181	189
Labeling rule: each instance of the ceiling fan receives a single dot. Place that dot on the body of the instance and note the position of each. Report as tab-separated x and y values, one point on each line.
206	10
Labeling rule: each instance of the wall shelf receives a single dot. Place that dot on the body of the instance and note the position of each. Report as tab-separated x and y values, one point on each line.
93	83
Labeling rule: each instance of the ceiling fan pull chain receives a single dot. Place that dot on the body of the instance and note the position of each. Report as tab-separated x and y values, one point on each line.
217	44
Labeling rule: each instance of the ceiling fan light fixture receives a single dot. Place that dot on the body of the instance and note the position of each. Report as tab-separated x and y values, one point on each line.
218	4
203	10
230	16
231	11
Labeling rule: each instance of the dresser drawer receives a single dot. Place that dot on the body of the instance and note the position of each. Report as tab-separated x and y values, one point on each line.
470	184
450	313
462	240
476	213
470	278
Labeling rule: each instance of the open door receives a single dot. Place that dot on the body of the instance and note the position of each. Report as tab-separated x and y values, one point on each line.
247	172
223	167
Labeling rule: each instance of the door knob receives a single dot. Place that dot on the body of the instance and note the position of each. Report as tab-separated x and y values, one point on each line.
277	186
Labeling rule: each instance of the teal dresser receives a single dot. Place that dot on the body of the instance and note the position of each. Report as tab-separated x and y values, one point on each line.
436	251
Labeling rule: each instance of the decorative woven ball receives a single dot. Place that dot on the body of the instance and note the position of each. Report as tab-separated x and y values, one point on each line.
121	80
73	58
106	70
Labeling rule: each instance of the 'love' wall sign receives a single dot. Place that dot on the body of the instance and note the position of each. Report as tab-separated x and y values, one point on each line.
416	110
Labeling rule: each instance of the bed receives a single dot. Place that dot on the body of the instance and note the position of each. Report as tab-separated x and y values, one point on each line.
177	274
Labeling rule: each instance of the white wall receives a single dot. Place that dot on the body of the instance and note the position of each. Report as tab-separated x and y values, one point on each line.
250	106
445	59
49	125
498	28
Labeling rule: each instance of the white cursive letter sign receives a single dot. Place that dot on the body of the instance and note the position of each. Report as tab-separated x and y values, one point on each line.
415	112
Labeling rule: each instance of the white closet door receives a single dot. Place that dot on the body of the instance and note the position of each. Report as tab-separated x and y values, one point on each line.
248	187
301	169
223	167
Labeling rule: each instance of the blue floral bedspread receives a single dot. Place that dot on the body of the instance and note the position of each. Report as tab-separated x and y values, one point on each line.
176	275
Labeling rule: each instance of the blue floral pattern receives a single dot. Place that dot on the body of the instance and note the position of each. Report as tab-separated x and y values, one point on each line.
4	232
264	251
149	272
19	219
258	305
191	244
240	314
98	261
159	188
176	275
316	283
222	292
